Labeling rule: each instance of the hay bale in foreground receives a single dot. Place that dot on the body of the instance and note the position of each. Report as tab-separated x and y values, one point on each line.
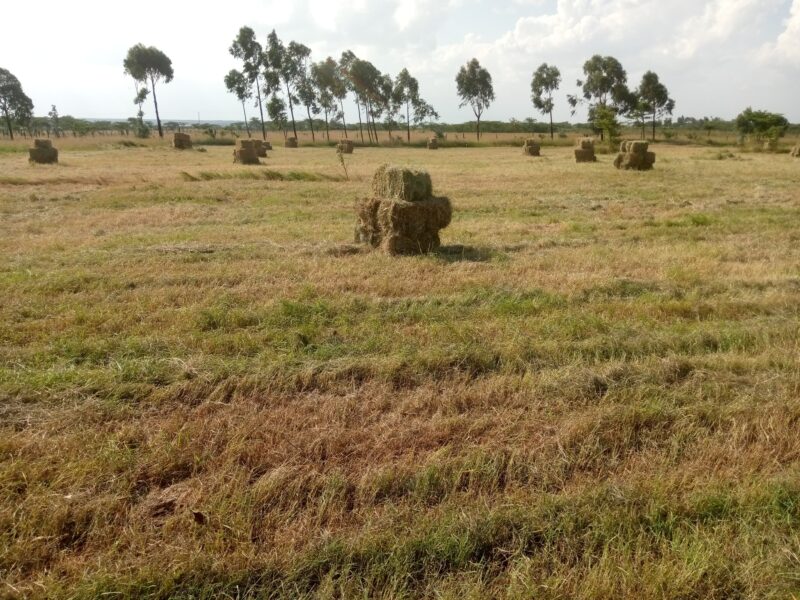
584	153
433	143
245	153
403	217
291	142
532	148
398	183
345	146
181	141
795	153
634	156
43	153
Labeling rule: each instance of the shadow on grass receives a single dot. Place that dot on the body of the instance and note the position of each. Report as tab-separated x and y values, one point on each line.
460	253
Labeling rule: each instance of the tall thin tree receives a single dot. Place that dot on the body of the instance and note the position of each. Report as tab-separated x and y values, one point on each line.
474	86
545	82
247	49
148	63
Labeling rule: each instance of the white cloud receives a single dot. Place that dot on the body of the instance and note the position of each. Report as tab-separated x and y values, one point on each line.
786	49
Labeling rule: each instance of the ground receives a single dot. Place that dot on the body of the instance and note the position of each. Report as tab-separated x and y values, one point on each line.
591	391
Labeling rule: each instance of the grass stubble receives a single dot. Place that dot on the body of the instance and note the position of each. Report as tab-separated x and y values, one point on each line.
591	391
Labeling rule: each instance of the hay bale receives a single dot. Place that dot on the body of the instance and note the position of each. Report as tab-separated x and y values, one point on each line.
398	183
402	227
260	147
584	156
795	153
531	147
267	145
43	155
43	144
291	142
181	141
586	144
433	143
246	153
345	146
246	144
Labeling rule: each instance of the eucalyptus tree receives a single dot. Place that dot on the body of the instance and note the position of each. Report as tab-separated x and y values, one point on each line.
406	95
285	66
655	99
15	105
326	80
605	88
546	80
247	49
346	63
148	63
238	84
276	108
474	86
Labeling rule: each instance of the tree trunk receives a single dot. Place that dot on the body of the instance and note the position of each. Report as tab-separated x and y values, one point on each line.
261	112
360	125
311	124
552	134
408	123
155	104
8	124
344	123
246	124
327	129
654	125
291	109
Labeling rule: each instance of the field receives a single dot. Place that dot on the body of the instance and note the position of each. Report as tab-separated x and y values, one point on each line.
207	390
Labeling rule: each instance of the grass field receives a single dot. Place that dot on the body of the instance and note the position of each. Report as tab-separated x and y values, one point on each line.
591	391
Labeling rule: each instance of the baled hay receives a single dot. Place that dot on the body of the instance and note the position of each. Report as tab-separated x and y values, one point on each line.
246	156
245	144
42	144
586	144
585	156
531	147
181	141
43	156
433	143
291	142
401	227
367	229
634	161
260	148
398	183
345	146
267	145
796	151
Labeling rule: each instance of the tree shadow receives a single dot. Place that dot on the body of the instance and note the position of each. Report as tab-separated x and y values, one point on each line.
460	253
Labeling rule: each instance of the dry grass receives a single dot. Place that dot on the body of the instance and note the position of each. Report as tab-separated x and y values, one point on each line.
590	391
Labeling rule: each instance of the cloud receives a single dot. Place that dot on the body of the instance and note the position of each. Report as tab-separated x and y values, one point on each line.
786	49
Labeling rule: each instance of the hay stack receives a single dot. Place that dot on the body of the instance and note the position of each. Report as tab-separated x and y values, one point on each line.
634	156
261	148
245	153
532	148
584	153
43	153
433	143
403	217
181	141
291	142
796	151
345	146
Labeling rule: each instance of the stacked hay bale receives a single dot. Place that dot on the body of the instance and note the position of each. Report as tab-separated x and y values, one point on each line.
245	153
635	156
345	146
403	216
261	148
181	141
267	145
433	143
291	142
43	153
796	151
584	153
532	148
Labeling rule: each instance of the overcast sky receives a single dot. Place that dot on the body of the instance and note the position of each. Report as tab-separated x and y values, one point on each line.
716	56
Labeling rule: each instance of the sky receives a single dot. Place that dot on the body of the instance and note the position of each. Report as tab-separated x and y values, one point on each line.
716	56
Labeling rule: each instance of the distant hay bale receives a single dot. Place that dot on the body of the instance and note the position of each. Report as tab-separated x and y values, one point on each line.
43	153
291	142
433	143
260	147
247	144
586	144
345	146
181	141
635	156
246	153
399	183
795	153
267	145
403	217
531	147
584	153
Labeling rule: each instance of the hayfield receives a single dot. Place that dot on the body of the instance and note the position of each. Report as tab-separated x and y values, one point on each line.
591	391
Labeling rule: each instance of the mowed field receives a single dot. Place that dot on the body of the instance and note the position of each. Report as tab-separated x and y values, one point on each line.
207	390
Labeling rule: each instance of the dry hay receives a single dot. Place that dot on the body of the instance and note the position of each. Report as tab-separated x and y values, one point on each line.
260	147
584	153
433	143
181	141
267	145
403	217
771	146
291	142
245	153
345	146
398	183
43	153
796	151
634	156
532	148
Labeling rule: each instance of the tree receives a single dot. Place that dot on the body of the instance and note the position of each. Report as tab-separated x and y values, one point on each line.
605	86
53	116
329	87
365	80
145	63
276	108
761	124
285	66
546	80
247	49
15	106
655	98
406	93
238	84
345	68
306	90
474	84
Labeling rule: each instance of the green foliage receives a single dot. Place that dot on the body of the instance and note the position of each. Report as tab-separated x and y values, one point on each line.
15	106
654	98
761	124
474	85
148	64
406	93
546	80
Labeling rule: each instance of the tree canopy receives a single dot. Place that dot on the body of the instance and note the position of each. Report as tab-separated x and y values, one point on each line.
546	80
761	124
149	64
474	86
654	98
15	106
